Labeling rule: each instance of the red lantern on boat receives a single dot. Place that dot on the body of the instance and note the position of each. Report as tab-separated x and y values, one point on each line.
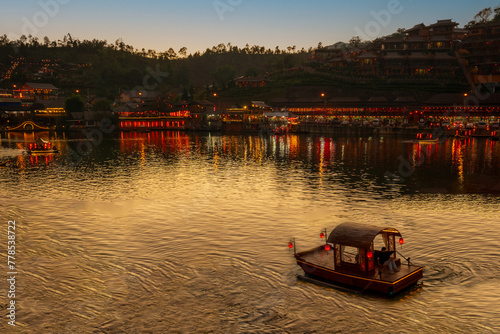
290	245
401	241
322	235
327	247
369	254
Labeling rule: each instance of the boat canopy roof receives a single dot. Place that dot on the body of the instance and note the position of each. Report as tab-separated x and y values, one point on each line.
41	141
358	235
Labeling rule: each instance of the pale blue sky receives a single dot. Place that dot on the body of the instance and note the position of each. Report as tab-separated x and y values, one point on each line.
200	24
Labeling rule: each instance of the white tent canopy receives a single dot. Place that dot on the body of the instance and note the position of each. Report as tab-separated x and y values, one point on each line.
277	114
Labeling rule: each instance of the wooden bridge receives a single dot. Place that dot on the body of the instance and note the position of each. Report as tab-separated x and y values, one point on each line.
28	126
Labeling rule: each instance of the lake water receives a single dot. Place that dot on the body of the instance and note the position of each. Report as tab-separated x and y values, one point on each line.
172	232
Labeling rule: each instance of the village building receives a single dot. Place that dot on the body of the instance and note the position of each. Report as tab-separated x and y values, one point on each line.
482	54
246	82
35	90
418	51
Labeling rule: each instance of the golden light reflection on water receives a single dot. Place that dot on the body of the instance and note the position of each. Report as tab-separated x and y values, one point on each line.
258	149
190	229
459	162
216	158
321	164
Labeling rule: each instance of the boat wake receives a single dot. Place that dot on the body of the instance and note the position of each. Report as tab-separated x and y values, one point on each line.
10	152
452	274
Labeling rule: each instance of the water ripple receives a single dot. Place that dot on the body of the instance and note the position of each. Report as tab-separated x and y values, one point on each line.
189	234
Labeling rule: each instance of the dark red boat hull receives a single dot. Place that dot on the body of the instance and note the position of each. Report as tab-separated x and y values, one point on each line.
385	285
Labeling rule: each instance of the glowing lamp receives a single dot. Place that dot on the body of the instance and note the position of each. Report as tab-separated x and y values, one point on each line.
322	235
401	241
369	254
327	247
290	245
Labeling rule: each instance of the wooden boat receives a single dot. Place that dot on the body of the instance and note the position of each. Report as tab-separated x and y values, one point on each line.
280	130
495	136
42	147
348	259
426	139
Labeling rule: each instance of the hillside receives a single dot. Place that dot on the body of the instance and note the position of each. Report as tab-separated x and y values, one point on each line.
104	69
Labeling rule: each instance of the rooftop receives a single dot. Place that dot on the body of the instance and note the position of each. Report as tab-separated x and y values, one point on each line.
247	79
37	85
447	22
202	103
446	99
416	27
367	55
260	104
145	94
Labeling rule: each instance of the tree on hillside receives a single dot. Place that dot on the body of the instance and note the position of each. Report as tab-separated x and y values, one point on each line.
288	61
183	51
134	77
355	41
171	54
182	75
74	104
496	17
102	109
4	40
251	72
101	106
223	74
185	95
483	17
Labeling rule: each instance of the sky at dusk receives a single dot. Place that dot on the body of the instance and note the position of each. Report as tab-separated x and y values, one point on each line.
201	24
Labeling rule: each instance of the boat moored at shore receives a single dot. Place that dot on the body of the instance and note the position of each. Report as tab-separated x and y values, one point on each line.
426	139
41	147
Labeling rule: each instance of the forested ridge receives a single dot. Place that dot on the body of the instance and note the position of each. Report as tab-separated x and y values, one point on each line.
105	68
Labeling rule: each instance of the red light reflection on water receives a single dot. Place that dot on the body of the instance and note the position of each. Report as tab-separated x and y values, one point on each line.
168	141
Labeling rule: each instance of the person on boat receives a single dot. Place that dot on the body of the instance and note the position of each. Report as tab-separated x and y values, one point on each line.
384	259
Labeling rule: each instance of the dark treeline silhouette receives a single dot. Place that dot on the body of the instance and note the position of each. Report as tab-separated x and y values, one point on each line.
485	17
31	43
106	68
